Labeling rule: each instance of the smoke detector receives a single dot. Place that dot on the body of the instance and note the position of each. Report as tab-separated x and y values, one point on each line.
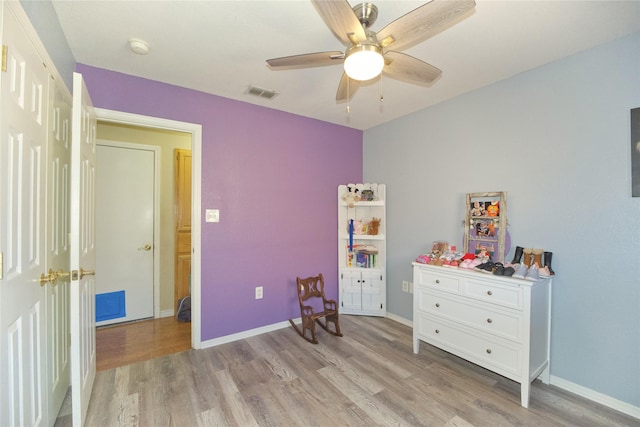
138	46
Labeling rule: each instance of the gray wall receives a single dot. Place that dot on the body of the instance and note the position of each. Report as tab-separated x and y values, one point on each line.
45	20
557	140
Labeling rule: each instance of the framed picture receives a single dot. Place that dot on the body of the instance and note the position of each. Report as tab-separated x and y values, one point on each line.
635	152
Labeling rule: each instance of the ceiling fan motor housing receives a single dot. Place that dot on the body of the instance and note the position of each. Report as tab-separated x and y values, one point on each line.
367	13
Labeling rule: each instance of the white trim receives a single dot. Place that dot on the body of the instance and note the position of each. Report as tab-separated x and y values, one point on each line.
167	313
405	322
592	395
196	173
247	334
157	152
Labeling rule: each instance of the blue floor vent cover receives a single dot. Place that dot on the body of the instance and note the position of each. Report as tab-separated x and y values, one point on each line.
110	305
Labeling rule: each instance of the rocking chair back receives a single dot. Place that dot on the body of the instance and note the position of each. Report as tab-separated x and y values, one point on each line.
315	306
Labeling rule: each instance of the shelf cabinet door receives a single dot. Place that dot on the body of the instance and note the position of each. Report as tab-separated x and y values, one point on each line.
372	290
350	290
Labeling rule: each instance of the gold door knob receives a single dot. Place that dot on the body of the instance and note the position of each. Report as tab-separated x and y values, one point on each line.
84	272
63	275
50	277
146	247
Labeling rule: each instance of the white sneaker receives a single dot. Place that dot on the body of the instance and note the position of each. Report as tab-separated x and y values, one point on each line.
521	272
532	274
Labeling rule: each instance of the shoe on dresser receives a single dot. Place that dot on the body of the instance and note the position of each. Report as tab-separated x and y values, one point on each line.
475	263
520	272
508	271
532	274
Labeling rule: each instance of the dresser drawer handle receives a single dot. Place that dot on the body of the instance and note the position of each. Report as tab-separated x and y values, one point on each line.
489	320
488	351
437	305
437	281
489	293
437	331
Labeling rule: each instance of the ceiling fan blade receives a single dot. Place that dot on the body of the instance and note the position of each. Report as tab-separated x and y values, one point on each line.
423	22
346	91
317	59
340	19
401	66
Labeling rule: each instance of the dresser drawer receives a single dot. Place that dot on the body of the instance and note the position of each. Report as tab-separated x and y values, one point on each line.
472	345
504	295
486	317
437	281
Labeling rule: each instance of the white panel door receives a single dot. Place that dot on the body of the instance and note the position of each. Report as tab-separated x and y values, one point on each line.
372	291
82	250
350	291
23	127
124	227
58	175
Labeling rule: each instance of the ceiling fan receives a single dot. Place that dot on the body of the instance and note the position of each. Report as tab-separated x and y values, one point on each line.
369	53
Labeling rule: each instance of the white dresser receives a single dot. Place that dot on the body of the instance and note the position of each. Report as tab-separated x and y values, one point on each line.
500	323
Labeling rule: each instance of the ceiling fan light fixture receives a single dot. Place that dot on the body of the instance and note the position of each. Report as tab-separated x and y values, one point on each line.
363	62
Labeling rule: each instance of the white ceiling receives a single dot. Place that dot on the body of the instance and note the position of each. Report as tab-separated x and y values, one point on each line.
220	47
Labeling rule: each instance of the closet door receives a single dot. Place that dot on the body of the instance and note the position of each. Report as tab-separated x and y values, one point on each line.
57	293
182	185
82	249
23	273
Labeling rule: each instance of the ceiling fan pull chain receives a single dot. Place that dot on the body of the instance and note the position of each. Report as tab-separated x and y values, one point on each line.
381	94
348	96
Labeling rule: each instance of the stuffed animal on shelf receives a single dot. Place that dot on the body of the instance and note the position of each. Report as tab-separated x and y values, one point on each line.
373	226
351	197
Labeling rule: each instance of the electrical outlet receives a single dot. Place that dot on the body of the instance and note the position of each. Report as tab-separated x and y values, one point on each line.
258	292
405	286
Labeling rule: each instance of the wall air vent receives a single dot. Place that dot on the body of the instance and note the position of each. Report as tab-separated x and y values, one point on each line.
262	93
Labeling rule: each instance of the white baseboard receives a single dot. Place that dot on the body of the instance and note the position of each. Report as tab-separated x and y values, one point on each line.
167	313
246	334
399	319
603	399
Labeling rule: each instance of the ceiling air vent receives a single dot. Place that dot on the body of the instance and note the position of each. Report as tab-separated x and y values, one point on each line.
262	93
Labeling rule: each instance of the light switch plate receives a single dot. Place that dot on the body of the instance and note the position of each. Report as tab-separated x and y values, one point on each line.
212	215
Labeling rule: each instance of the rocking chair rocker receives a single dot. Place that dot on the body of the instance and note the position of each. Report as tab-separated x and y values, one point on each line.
311	290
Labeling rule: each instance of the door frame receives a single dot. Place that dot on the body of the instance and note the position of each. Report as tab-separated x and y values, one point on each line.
156	210
195	130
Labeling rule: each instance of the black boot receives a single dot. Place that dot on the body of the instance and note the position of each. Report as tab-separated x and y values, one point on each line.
518	256
547	262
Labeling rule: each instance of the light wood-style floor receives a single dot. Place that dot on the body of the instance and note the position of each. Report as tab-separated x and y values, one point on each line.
122	345
369	377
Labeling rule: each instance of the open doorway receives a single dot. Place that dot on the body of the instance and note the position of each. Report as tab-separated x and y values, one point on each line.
168	136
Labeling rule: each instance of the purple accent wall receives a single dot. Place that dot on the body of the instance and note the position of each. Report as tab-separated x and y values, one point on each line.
274	177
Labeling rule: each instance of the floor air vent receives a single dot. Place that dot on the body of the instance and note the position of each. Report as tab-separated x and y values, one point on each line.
262	93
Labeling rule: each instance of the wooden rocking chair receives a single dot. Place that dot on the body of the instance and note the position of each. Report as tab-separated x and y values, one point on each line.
311	290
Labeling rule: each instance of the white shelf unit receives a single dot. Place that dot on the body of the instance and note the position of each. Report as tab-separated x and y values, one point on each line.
362	278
